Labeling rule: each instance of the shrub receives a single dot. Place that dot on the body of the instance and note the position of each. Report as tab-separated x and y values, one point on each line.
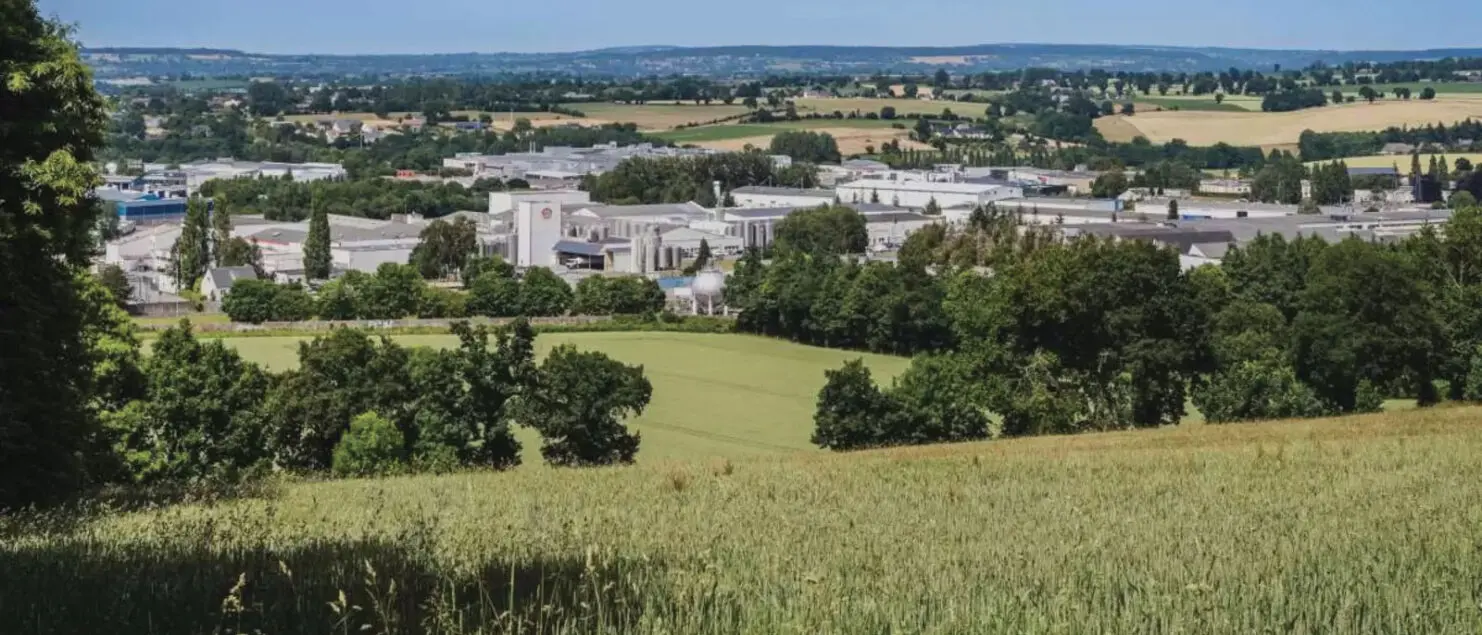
373	446
1257	390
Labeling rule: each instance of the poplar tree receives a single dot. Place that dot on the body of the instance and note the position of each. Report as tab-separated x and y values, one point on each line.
316	246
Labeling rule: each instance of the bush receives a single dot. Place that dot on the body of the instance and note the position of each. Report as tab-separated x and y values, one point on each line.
258	301
373	446
1257	390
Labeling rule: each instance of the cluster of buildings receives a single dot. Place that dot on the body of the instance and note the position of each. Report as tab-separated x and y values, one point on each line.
561	227
156	193
561	164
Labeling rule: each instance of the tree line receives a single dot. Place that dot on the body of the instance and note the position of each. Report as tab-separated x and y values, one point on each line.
491	288
1318	146
1018	331
195	411
650	180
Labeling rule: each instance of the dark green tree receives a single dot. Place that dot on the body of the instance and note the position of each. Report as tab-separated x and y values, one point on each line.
852	412
543	293
495	293
317	259
190	256
372	446
1173	209
577	402
113	278
52	123
445	248
824	230
200	416
1366	317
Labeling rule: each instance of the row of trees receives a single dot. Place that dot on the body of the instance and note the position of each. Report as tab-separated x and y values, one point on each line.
195	410
681	179
1318	146
399	291
1042	335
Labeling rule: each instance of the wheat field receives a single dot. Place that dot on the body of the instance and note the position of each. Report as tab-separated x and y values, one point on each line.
1358	525
1202	128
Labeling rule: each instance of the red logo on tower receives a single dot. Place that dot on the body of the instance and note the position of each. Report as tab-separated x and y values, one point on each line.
546	213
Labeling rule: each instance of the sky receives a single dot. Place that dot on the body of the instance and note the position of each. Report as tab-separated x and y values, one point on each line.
460	26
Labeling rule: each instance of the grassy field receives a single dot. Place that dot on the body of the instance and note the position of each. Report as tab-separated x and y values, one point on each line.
1403	161
1268	129
195	318
1358	525
657	116
902	106
1203	103
740	131
715	396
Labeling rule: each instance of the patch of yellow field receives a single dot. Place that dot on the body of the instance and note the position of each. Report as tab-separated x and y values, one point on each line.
902	106
851	140
1267	129
658	116
1402	161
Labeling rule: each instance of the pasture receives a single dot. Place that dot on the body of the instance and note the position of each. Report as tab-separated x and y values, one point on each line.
1357	525
864	105
715	396
1271	129
1201	103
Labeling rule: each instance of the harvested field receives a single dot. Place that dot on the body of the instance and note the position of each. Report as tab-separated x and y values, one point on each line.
658	116
902	106
1267	129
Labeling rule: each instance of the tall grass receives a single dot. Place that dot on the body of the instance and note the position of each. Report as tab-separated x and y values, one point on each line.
1367	524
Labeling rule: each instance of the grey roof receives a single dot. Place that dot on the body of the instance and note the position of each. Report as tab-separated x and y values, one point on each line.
870	209
1390	171
759	213
865	164
662	209
899	217
225	277
578	247
1180	238
783	191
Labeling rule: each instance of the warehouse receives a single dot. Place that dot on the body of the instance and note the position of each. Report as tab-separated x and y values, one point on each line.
755	196
920	194
149	211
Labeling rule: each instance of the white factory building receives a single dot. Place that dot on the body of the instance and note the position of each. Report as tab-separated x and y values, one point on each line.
755	196
919	194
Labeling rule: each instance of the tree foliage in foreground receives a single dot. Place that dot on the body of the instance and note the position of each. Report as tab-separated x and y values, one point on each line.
577	404
53	121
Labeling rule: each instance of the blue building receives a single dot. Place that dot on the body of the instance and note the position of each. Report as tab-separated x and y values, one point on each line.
147	210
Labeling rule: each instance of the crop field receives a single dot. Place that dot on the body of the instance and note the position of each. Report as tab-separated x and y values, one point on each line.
656	116
1270	129
1357	525
1204	103
715	396
902	106
1403	161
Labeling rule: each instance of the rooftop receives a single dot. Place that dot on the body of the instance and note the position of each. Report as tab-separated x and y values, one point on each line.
783	191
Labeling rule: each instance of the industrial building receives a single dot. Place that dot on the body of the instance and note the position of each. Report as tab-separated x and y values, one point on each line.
151	210
562	162
919	194
755	196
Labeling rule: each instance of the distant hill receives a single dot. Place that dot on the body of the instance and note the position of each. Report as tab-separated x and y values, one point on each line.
726	61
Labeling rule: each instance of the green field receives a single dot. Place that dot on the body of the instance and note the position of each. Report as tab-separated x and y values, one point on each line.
1358	525
194	318
1202	103
728	396
724	132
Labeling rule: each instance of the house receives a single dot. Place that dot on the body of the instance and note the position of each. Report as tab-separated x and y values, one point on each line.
218	282
1397	148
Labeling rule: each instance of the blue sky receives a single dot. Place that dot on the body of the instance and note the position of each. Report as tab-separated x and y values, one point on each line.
446	26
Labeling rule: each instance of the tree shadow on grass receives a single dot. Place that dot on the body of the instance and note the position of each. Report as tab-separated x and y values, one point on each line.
85	585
